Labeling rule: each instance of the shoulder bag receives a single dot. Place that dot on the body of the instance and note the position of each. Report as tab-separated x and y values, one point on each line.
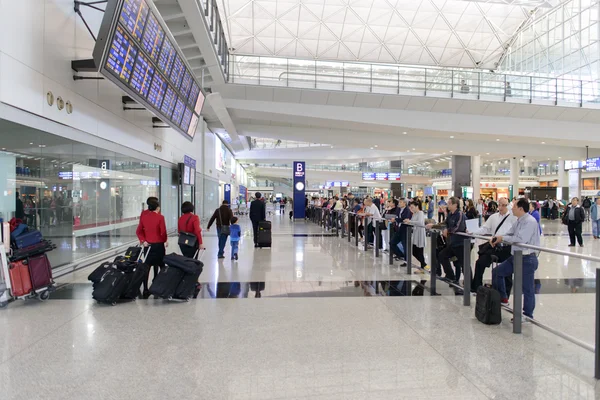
225	229
187	238
486	248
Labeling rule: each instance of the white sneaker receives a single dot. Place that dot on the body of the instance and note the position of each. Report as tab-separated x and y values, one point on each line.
523	320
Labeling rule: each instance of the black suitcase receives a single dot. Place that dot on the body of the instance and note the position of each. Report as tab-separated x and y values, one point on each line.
133	253
166	282
99	272
187	286
264	234
186	264
487	306
111	286
136	272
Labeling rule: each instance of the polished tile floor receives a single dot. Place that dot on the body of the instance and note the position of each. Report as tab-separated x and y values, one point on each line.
321	330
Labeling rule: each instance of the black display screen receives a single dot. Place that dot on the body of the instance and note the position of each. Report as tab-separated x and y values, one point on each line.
157	91
153	38
136	51
185	121
121	55
178	112
133	17
142	75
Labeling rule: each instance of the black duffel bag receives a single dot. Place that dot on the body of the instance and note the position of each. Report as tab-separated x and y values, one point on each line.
186	264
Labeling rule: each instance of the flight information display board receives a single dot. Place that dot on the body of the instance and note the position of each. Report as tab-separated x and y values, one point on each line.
593	164
381	176
136	51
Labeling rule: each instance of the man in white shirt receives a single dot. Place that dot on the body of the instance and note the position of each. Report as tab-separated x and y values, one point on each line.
371	210
498	224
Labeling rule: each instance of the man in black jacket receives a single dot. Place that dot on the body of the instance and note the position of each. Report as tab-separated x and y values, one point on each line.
257	214
400	235
222	216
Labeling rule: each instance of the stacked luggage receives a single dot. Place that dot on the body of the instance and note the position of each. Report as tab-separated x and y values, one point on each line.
120	279
26	271
178	279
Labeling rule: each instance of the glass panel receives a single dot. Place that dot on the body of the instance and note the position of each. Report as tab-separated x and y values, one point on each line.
330	75
169	206
357	77
301	74
211	197
273	71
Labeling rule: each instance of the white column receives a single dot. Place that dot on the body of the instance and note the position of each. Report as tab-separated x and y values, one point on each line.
527	167
514	175
476	176
563	176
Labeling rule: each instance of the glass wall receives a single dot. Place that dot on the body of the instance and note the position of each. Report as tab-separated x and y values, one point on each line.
562	43
83	198
169	201
211	197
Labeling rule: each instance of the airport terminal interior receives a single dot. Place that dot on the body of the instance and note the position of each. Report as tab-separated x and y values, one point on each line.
300	199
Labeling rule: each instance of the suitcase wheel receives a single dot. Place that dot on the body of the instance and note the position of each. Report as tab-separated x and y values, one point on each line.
45	295
3	304
187	299
170	298
114	303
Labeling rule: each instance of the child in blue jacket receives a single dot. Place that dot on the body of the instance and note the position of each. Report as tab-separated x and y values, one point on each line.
235	233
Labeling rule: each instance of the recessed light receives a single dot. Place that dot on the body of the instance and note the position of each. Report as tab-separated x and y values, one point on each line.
451	151
404	133
451	137
497	140
4	148
543	142
375	146
42	145
371	148
30	142
487	154
413	148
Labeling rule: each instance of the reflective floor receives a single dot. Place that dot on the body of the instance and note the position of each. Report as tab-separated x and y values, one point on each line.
311	318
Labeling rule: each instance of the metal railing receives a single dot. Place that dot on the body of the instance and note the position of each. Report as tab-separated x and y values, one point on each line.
411	80
327	218
215	27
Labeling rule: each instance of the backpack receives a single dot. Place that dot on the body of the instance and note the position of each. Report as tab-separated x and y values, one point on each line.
587	203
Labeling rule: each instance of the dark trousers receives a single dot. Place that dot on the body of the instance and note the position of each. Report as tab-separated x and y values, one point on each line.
371	235
441	216
484	261
155	259
188	251
396	238
530	265
575	232
444	258
255	231
222	242
418	253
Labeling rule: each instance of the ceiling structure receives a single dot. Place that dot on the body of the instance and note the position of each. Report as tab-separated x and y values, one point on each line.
450	33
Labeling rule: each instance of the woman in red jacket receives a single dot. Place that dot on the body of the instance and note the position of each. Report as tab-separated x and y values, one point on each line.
190	223
152	232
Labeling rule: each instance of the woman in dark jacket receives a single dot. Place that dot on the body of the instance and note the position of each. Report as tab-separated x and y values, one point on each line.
471	210
573	218
152	232
189	223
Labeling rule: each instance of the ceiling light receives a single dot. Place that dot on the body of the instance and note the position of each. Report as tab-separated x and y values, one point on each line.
404	133
451	137
543	142
413	148
497	140
4	148
451	151
42	145
487	154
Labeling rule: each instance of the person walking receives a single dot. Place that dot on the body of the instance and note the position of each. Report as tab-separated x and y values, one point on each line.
222	216
257	214
595	212
430	207
587	205
401	233
525	231
236	235
152	232
573	218
188	227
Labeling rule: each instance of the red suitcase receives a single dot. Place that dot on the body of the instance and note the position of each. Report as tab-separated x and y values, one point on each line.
20	279
41	271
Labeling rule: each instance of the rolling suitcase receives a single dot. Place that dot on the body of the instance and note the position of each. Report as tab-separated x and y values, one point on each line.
30	251
111	286
137	271
166	282
187	286
28	239
20	279
264	234
40	271
487	306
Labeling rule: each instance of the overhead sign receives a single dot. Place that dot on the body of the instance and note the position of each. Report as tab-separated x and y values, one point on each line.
136	51
381	176
337	184
299	176
227	194
570	164
592	164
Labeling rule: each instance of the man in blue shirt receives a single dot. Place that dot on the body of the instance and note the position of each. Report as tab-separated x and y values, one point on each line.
526	231
441	206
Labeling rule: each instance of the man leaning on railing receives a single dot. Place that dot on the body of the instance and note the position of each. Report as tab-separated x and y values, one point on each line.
525	231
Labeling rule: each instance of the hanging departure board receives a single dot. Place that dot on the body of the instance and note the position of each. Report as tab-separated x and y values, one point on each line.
136	51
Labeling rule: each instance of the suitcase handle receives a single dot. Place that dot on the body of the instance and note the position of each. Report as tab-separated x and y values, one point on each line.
143	254
198	256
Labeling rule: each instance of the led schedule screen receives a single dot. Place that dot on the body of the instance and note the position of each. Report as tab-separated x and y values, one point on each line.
136	51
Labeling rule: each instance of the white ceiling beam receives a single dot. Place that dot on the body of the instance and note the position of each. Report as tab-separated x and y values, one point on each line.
218	106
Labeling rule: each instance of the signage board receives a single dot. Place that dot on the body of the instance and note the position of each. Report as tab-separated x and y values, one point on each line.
592	164
381	176
299	177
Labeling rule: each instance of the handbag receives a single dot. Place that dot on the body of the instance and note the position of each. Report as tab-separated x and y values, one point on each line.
187	238
486	248
225	229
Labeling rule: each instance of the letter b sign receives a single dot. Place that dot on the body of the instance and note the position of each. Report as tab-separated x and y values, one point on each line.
299	167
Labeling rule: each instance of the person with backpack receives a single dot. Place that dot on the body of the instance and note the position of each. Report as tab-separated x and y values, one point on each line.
587	205
222	216
257	214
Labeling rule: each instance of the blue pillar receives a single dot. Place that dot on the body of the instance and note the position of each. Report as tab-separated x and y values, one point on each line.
299	186
227	194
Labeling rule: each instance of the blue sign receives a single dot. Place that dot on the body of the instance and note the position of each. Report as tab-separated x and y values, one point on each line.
593	164
243	192
368	176
227	194
299	189
381	176
189	161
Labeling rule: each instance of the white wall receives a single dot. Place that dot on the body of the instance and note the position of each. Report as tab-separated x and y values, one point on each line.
38	40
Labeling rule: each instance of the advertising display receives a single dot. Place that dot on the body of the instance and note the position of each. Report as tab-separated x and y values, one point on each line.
220	157
592	164
299	172
570	164
227	193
